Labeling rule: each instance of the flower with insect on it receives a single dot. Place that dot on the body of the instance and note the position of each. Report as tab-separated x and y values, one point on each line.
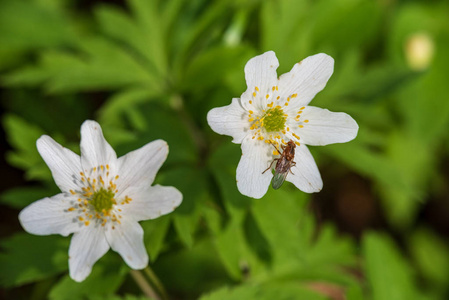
274	111
103	198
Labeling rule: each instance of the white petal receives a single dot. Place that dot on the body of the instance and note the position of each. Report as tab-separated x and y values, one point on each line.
230	120
306	79
326	127
50	216
63	163
151	202
306	175
86	247
95	150
256	158
127	239
260	72
139	167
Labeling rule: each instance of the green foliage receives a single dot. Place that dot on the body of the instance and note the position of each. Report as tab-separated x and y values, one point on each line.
20	197
28	258
388	273
429	253
22	136
265	292
106	277
150	70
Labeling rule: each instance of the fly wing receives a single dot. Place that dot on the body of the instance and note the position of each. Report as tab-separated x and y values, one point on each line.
278	179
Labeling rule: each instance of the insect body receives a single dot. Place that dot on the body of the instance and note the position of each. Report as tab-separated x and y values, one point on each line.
283	164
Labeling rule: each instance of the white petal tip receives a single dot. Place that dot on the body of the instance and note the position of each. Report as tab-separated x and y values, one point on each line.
91	123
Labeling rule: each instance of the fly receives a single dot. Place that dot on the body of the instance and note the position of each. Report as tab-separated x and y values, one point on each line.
283	164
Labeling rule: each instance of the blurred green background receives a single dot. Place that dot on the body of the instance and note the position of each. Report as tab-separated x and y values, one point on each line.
153	69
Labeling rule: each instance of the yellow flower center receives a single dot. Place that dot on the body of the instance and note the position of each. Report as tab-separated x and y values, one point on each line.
269	122
274	120
103	200
96	197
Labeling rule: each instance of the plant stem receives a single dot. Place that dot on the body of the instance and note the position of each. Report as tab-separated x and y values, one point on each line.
156	282
144	285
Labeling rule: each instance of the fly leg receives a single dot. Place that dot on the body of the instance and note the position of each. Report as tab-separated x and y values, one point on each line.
270	165
293	164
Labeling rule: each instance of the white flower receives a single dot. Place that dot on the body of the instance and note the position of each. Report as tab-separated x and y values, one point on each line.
103	198
274	111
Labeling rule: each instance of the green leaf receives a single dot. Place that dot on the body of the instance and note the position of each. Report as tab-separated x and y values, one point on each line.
23	196
230	246
27	258
331	248
29	25
360	20
22	136
107	276
200	76
147	45
212	214
256	240
198	27
430	254
155	232
115	297
278	291
277	35
298	251
89	70
388	273
185	226
355	292
151	18
121	103
403	202
190	271
192	184
367	162
156	121
222	164
277	216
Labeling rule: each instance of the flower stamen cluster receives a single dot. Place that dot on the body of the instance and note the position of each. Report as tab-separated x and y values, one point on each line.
269	124
97	197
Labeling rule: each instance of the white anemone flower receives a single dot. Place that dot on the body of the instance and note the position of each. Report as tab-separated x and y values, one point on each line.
274	111
103	198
